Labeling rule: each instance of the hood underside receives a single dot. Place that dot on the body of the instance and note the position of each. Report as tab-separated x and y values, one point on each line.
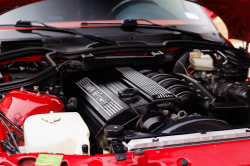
7	5
234	13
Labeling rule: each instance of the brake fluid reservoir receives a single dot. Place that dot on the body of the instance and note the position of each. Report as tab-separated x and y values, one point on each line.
56	133
200	62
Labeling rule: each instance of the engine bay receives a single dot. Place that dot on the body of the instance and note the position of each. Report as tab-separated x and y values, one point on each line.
98	104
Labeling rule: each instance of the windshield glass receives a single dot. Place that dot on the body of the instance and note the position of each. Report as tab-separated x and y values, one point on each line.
168	12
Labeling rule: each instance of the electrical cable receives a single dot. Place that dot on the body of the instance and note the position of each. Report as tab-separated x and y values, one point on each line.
242	27
2	114
183	67
12	136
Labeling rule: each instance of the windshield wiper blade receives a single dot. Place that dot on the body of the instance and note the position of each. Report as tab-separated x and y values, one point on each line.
134	23
28	24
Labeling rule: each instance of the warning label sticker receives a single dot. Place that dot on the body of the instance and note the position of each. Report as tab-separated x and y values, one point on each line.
48	160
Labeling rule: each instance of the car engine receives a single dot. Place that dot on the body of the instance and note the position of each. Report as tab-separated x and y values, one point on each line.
116	100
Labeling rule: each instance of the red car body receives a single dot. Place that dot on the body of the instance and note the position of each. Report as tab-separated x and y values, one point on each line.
210	13
235	15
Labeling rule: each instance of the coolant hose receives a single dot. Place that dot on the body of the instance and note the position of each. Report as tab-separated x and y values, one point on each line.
225	62
168	105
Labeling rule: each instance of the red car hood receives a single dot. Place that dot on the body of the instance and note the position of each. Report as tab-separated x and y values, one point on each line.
233	12
7	5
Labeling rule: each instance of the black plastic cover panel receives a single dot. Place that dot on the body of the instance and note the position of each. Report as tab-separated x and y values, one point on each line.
106	102
146	84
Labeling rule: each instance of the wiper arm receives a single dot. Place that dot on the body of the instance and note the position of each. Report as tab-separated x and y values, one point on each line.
28	24
134	23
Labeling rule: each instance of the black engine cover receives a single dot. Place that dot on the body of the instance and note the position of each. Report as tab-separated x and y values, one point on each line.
100	104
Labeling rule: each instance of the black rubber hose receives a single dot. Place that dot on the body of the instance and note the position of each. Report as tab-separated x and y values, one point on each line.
5	57
8	146
245	92
227	91
49	59
168	105
2	114
12	136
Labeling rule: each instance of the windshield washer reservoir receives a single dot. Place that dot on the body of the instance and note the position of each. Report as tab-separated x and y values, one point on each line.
66	135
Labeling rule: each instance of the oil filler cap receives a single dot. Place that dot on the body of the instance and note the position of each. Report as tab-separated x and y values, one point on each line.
51	117
113	130
128	92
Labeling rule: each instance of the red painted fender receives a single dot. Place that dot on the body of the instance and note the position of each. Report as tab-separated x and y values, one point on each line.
18	105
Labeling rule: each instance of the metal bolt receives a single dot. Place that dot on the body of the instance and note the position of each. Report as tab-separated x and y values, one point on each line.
184	162
139	152
38	94
165	112
22	89
47	92
36	87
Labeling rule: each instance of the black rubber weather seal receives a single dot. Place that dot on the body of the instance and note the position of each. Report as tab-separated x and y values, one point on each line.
196	44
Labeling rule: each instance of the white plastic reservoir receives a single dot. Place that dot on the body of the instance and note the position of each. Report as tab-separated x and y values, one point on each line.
56	133
201	62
